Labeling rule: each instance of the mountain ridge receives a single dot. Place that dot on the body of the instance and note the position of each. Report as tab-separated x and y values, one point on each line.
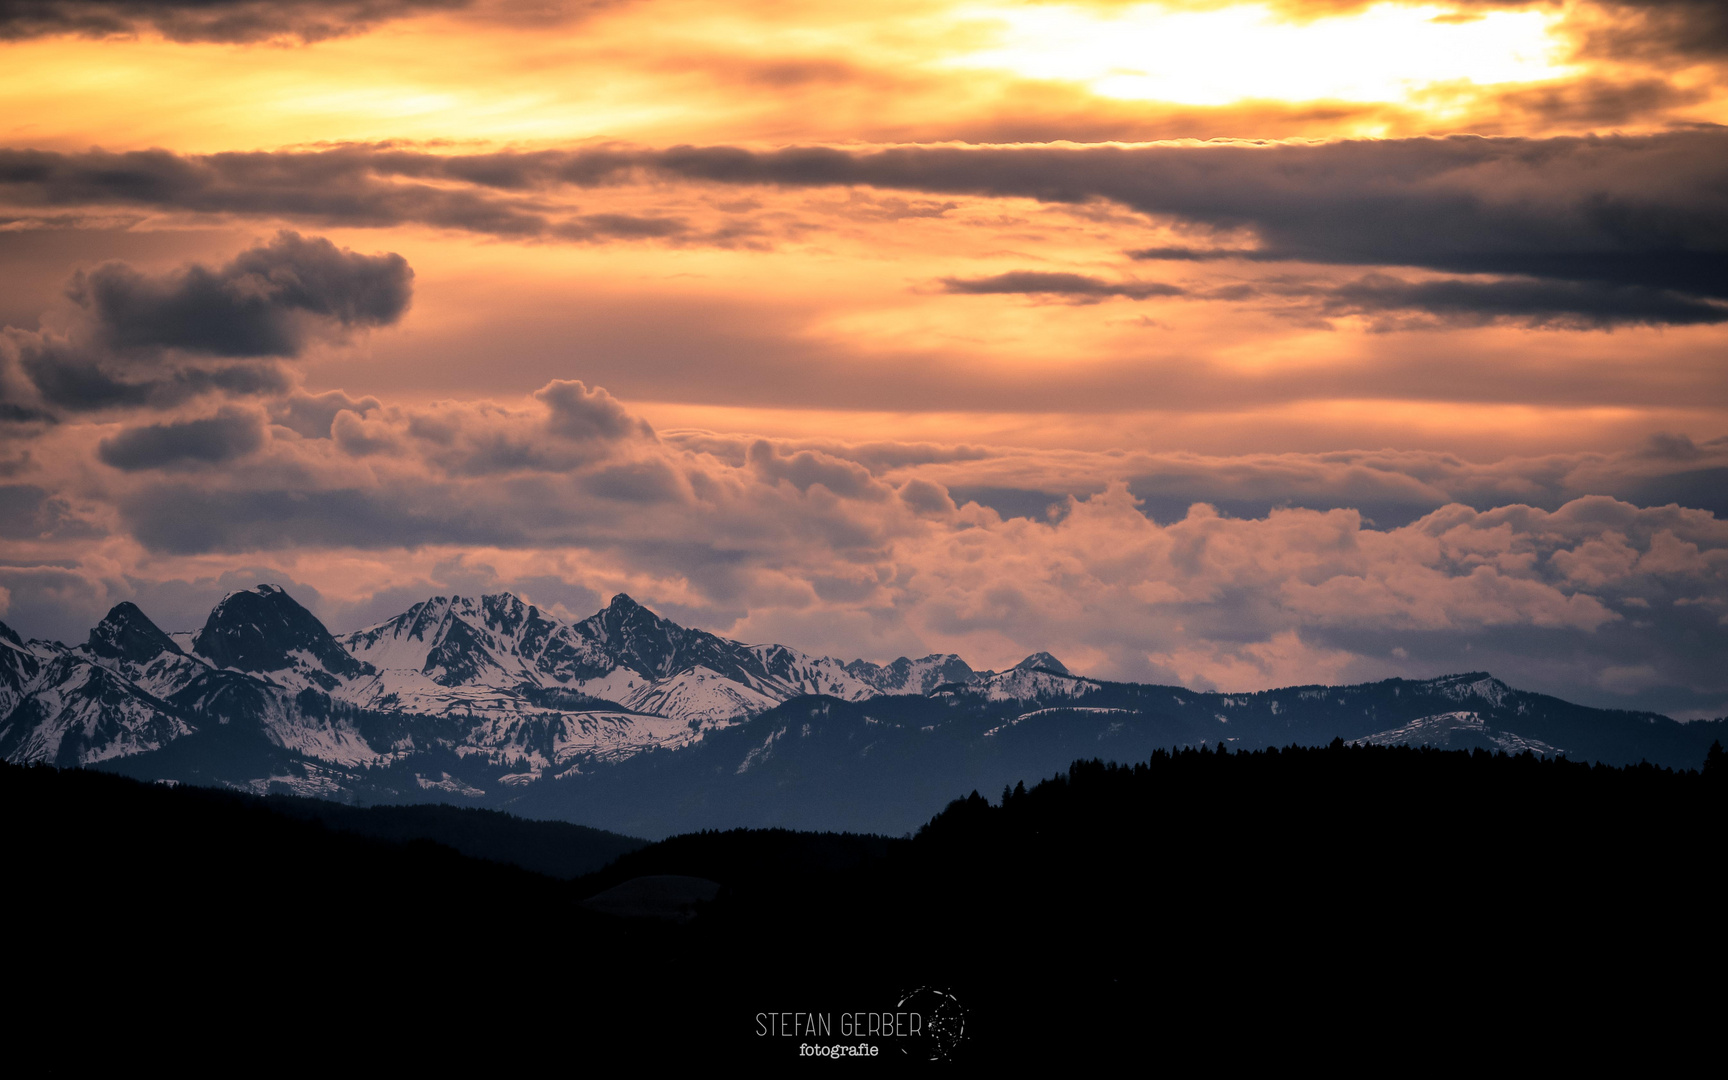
492	701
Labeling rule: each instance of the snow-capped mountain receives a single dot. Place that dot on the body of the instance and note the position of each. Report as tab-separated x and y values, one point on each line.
264	632
1460	731
76	712
1039	677
497	655
127	643
19	666
491	699
131	688
493	677
920	676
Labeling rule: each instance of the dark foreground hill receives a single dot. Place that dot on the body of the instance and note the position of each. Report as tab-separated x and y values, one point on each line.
1319	906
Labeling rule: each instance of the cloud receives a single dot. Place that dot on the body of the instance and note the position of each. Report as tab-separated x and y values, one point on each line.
804	468
230	21
1626	29
580	413
141	340
13	413
925	497
1541	303
311	415
650	481
1658	29
1080	286
1525	301
1136	576
1565	208
569	427
1595	101
267	302
1646	211
29	512
879	456
228	435
354	186
80	377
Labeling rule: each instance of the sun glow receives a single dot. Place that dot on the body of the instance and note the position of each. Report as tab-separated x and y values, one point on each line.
1246	52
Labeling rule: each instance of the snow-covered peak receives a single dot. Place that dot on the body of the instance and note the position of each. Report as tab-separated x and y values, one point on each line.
636	638
19	666
264	630
497	640
126	633
1036	683
904	676
1475	684
1042	661
1461	730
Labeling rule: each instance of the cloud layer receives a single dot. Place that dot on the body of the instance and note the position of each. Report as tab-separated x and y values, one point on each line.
159	340
229	21
1596	231
879	550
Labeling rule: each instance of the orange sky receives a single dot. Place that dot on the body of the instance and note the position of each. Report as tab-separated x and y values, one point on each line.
1070	312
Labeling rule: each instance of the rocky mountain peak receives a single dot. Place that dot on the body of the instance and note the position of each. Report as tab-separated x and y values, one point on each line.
126	633
262	629
623	613
1042	661
506	611
639	639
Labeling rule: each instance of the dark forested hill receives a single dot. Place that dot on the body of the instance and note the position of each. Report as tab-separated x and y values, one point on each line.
886	764
1278	897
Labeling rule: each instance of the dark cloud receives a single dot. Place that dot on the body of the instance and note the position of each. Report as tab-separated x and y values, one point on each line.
186	519
1537	303
1598	102
343	186
266	302
1633	210
230	434
28	512
924	497
366	186
1705	489
311	415
232	21
1659	29
1385	298
1640	29
156	341
12	413
590	227
1648	210
1078	286
1393	303
71	376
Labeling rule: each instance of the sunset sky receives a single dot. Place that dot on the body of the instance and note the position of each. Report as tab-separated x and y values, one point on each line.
1233	345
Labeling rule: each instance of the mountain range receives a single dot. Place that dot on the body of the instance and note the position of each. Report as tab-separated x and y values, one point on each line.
626	720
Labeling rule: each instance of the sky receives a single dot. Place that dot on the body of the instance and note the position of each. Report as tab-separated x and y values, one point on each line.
1231	345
